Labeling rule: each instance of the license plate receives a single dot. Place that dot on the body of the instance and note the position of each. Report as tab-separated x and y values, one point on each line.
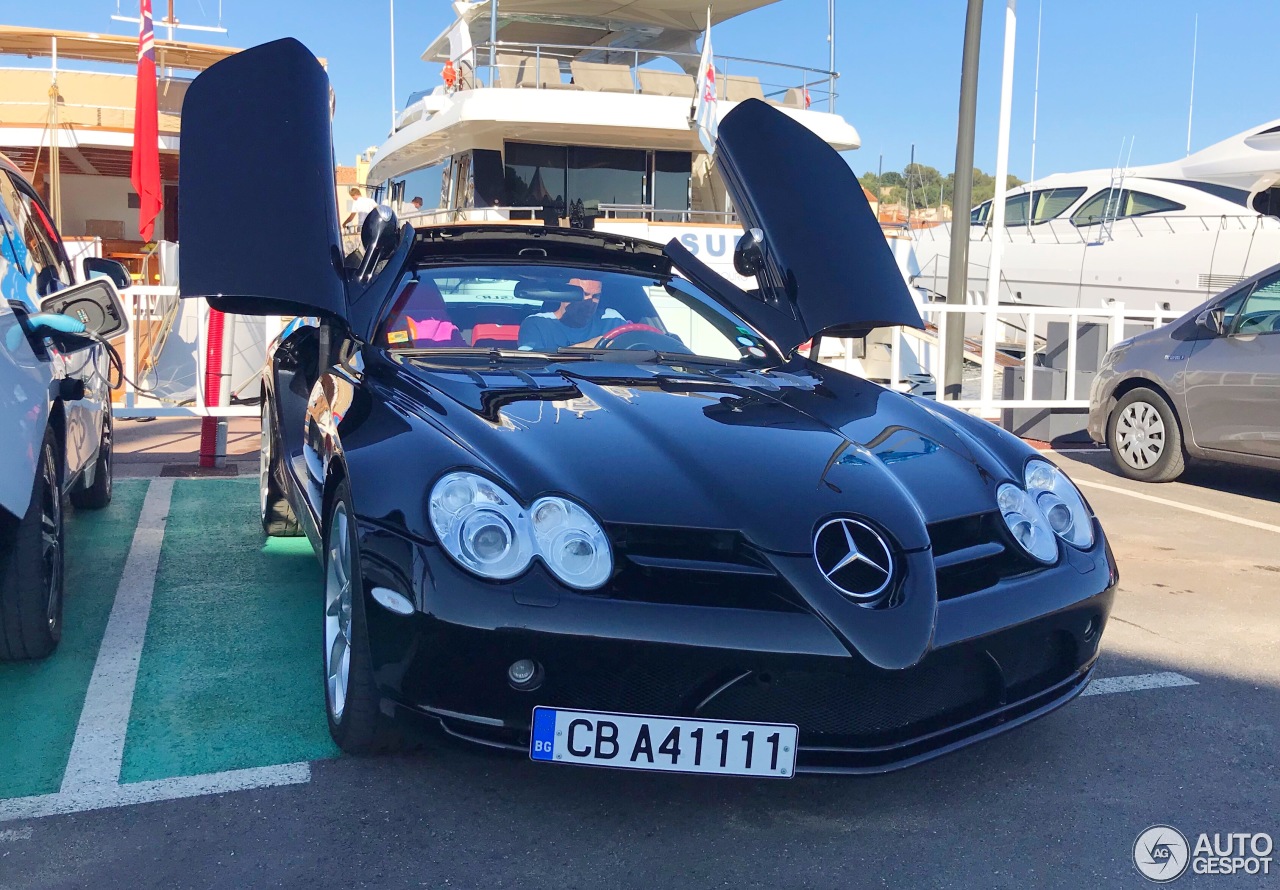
665	744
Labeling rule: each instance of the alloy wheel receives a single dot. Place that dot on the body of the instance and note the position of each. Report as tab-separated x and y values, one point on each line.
337	612
1140	435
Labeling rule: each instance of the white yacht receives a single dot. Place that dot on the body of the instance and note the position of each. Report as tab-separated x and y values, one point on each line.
1164	236
561	113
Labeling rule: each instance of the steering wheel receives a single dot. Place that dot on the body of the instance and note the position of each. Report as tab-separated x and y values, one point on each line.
628	328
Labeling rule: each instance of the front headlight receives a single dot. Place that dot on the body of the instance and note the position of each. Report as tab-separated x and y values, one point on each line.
487	532
1060	502
480	525
571	543
1027	523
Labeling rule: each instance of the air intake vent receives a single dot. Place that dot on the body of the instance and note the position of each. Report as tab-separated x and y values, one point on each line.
1219	282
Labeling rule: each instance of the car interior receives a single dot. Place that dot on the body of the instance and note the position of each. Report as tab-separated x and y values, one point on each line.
484	307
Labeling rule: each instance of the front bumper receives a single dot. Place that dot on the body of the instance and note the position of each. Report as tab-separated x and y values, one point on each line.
1001	657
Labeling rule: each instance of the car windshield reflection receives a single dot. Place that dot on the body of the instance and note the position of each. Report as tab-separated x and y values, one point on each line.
549	311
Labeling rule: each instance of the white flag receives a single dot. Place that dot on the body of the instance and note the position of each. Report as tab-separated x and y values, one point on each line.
705	115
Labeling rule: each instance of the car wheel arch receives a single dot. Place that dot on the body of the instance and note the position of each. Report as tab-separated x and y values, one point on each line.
1124	388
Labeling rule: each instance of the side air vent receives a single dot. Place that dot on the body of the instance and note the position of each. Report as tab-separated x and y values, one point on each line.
1212	282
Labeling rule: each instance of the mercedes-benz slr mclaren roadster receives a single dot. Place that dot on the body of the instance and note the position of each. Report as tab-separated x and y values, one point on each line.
579	496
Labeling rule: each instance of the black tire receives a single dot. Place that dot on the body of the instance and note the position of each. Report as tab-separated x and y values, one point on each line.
31	567
358	726
98	495
1145	438
278	519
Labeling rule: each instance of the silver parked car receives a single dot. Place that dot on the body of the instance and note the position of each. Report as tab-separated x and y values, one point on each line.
1205	386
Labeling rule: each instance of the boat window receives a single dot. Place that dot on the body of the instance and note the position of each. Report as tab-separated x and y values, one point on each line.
980	214
672	172
1052	203
1015	210
1225	192
1120	204
535	176
489	178
604	176
426	183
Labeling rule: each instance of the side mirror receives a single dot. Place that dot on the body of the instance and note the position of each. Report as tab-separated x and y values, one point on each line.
97	267
380	235
1213	320
748	256
95	304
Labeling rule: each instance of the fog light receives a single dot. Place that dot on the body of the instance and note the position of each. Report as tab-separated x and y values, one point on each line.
525	674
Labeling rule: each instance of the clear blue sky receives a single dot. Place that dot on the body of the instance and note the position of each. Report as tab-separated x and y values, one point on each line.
1110	69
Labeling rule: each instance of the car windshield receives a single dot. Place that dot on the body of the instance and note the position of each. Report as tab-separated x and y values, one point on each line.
553	309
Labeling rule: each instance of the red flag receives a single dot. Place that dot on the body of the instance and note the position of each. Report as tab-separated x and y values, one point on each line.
145	173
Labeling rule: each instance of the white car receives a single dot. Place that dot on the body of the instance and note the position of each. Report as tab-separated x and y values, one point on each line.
55	409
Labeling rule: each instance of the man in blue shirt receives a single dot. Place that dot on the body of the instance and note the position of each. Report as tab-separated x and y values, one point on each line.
574	323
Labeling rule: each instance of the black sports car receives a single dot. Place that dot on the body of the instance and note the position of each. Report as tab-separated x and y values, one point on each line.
670	542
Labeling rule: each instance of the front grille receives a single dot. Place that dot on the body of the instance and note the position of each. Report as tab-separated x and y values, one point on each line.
695	567
974	553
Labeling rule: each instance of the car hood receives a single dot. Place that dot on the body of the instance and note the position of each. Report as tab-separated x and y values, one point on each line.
825	265
769	453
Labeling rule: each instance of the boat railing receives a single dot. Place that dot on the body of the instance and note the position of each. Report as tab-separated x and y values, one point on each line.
445	216
539	66
651	213
1065	231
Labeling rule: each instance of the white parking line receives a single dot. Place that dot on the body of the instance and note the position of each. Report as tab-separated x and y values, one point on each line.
15	834
92	777
1137	683
1190	508
101	797
98	749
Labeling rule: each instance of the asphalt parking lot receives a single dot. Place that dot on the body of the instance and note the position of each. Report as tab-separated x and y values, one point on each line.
177	738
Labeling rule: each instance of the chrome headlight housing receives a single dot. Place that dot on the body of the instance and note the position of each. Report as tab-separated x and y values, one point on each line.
486	531
481	526
1027	523
571	543
1060	502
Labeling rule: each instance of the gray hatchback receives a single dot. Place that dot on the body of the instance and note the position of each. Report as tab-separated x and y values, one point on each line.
1204	386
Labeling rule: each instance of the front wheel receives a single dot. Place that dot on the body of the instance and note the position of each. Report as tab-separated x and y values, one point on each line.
1145	439
31	579
351	694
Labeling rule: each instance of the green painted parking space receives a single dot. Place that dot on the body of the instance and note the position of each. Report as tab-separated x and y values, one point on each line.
230	675
42	699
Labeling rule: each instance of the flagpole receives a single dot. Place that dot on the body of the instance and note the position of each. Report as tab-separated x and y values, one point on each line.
393	64
1191	103
831	40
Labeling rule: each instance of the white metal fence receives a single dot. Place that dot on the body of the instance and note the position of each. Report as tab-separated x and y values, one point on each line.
164	329
1016	331
1020	342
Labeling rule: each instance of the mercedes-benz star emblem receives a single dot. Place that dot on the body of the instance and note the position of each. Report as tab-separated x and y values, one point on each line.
854	558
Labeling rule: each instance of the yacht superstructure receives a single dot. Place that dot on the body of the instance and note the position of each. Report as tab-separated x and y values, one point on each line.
582	118
561	113
1163	236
